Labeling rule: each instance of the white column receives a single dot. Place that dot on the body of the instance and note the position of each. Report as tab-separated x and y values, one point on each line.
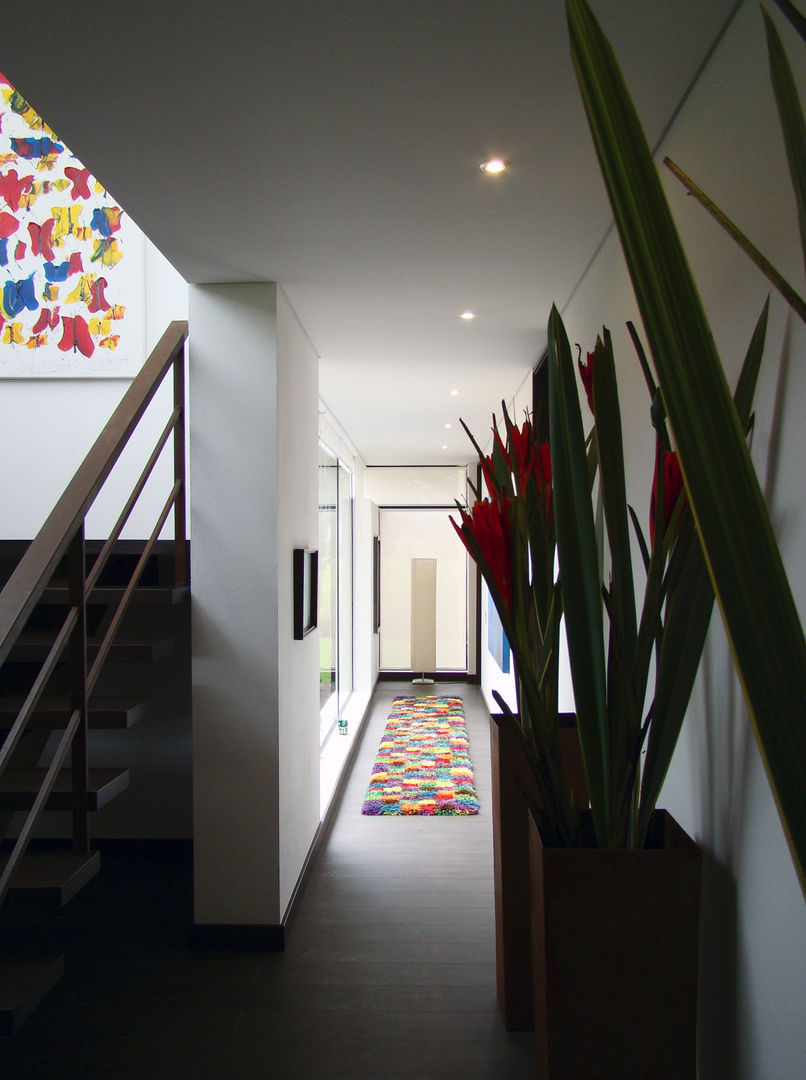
233	461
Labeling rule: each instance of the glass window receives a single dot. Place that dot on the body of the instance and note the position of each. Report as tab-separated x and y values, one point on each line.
328	578
335	589
345	585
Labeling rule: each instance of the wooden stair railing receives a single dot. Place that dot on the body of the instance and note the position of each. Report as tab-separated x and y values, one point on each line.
62	536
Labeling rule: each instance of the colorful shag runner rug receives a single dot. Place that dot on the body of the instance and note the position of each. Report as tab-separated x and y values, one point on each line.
423	765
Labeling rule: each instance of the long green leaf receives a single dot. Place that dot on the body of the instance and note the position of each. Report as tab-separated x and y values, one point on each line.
686	626
790	114
687	618
614	492
624	712
786	290
579	578
793	15
740	548
642	360
748	377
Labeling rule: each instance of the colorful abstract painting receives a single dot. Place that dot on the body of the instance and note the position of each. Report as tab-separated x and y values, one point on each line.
71	261
423	763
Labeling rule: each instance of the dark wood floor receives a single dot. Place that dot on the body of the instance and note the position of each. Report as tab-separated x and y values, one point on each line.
389	971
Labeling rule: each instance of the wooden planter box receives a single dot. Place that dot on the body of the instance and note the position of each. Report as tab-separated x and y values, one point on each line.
511	776
615	937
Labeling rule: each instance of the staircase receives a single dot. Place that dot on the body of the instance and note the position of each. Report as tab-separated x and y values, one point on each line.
88	636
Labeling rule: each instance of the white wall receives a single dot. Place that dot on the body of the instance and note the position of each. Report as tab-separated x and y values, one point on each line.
754	925
253	395
297	526
412	488
49	425
235	611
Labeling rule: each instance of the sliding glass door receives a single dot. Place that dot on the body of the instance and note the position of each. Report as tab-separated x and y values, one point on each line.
335	589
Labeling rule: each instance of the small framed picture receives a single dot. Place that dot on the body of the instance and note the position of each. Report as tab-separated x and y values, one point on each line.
306	591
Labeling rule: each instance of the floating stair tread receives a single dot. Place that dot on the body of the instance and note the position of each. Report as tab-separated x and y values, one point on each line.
147	595
18	788
50	877
34	646
104	712
23	984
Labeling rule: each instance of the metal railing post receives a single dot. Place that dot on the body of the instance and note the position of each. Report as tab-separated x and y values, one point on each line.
180	506
76	571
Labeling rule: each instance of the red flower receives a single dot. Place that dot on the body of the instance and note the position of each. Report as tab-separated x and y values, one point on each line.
586	374
488	465
531	458
521	447
488	471
488	525
672	486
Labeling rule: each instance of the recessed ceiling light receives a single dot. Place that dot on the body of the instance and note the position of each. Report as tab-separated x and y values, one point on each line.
467	315
493	166
444	446
447	425
454	393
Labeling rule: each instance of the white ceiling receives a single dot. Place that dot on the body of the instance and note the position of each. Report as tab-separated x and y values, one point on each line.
333	146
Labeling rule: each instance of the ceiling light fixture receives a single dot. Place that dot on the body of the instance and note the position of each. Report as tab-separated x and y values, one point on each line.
493	166
454	393
467	315
447	425
444	446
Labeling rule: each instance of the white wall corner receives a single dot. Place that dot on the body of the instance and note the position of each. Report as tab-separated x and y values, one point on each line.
233	438
297	527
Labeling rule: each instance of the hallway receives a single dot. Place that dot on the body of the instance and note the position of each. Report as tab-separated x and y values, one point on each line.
389	969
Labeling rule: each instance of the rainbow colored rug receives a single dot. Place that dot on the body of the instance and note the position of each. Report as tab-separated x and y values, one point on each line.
423	765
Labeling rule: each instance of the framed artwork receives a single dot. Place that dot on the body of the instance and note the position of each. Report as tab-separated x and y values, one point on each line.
72	263
306	591
497	643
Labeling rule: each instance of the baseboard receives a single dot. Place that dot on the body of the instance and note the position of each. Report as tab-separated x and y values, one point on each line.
246	937
326	824
270	937
437	676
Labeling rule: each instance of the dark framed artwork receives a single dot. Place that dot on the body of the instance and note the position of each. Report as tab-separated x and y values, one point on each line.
306	591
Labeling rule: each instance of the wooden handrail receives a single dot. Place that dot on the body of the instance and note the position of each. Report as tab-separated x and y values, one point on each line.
63	534
35	569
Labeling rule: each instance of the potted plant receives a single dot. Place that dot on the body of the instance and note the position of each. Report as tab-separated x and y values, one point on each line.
541	499
634	868
534	751
721	493
734	529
